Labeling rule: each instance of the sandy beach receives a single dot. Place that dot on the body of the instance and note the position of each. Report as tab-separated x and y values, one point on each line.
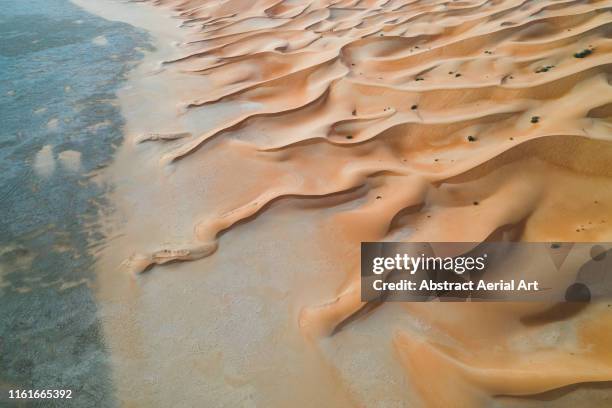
265	140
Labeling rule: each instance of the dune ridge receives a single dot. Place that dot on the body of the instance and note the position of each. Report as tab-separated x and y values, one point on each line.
435	121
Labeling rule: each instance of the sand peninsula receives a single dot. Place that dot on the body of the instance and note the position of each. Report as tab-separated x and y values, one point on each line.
266	139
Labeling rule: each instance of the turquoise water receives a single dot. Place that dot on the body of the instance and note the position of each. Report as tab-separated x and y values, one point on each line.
59	70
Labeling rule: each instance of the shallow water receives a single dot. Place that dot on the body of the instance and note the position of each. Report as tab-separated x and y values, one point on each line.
59	70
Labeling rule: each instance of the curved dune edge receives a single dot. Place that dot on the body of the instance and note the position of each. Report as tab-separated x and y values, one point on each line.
457	120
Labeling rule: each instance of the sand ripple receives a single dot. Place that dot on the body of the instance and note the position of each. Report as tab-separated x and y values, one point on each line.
460	120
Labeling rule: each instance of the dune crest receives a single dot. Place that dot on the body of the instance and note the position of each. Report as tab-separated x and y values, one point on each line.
430	121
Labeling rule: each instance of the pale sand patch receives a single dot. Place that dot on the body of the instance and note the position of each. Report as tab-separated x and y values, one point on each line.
70	160
23	260
100	41
53	124
44	161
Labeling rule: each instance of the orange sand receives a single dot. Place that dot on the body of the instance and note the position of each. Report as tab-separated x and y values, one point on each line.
297	129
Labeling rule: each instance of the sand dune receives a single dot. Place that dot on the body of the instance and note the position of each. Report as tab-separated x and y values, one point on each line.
426	121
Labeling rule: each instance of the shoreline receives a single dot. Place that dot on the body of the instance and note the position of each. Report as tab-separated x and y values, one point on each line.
133	308
61	69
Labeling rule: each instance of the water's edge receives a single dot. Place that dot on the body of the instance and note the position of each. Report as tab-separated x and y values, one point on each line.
61	68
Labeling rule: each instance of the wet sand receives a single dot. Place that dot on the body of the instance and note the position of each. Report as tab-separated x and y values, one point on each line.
265	140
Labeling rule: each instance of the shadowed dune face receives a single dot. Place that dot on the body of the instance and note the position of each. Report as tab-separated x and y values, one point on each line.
431	121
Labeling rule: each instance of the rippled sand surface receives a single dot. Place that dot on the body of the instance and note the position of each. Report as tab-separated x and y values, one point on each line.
301	128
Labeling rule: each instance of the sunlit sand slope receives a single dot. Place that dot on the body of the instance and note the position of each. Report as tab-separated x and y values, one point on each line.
429	121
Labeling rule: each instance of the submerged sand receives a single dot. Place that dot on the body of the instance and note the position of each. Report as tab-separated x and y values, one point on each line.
266	139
